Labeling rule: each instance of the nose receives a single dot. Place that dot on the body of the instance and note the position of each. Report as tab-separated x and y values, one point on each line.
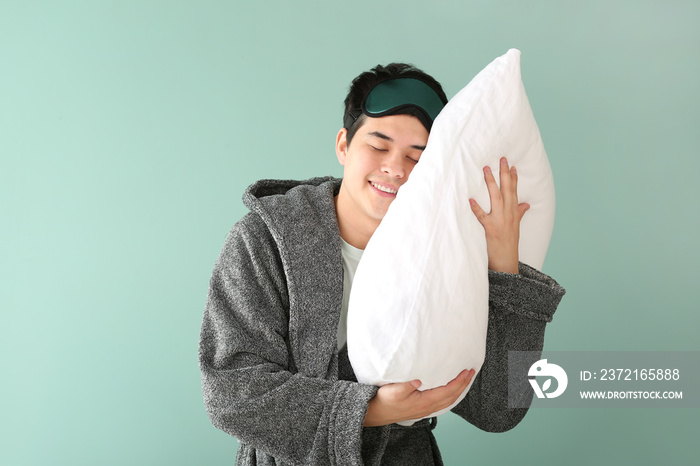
393	165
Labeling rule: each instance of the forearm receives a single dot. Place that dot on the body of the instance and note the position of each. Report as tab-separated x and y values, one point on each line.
252	388
296	419
519	308
252	393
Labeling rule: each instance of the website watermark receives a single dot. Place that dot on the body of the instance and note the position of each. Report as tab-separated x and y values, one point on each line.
604	379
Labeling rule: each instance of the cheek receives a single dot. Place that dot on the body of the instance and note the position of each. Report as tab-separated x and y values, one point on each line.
409	168
365	165
355	173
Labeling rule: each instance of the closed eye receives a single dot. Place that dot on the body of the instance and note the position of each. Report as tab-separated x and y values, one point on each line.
412	159
377	148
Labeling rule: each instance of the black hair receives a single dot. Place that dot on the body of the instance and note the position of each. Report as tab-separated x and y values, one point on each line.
364	83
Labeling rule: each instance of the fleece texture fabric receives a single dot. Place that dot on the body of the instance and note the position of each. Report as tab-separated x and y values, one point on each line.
272	375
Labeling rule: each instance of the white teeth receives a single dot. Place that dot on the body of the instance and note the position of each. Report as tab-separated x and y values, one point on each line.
384	188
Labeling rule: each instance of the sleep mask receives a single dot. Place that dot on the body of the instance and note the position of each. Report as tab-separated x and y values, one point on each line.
400	96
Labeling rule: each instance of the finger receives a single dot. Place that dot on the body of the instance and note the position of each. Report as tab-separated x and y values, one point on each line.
465	379
455	386
407	388
442	397
399	391
522	208
514	180
478	211
494	192
462	380
505	175
509	189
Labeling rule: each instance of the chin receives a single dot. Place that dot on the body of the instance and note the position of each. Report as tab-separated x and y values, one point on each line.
379	214
377	210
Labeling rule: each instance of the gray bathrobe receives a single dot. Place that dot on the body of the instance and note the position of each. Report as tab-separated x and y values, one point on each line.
272	375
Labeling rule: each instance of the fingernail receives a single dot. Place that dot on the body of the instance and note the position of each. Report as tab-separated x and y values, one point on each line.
503	160
515	171
487	169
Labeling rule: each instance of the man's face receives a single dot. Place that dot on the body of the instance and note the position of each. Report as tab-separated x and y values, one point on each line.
376	164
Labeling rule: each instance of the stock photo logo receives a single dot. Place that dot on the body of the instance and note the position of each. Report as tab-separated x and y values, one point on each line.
545	371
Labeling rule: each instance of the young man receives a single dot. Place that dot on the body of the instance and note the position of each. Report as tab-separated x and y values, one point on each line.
275	371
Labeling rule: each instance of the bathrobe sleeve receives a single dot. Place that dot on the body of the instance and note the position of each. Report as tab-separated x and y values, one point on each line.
520	306
252	388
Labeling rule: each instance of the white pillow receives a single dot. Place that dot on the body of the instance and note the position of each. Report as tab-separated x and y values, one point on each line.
419	301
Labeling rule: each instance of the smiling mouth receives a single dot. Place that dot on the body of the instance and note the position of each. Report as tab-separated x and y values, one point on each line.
383	188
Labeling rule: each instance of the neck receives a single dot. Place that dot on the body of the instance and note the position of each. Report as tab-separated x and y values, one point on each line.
354	231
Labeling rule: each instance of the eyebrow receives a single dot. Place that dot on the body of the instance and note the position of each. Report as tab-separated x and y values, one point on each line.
387	138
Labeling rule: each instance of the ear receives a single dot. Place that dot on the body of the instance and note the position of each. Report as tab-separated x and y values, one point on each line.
341	145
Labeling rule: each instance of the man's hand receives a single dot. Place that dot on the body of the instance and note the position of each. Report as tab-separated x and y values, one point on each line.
502	224
403	401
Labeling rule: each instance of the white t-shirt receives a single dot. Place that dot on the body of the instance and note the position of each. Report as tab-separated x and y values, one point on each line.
351	257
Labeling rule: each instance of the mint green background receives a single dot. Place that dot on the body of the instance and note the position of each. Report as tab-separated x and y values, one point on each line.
128	131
